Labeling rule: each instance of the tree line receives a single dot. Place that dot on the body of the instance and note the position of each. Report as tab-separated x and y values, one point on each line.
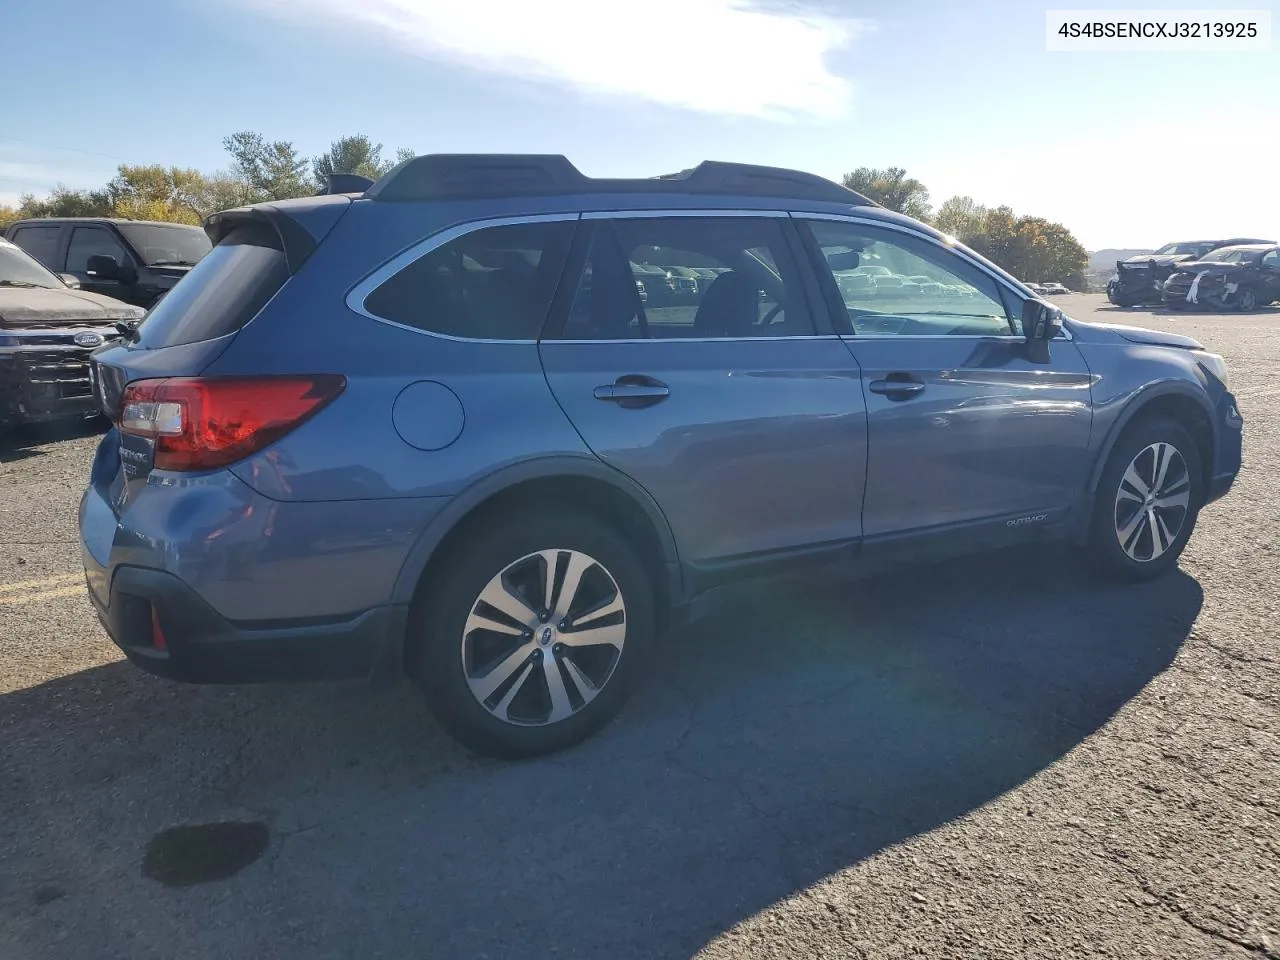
258	169
1031	248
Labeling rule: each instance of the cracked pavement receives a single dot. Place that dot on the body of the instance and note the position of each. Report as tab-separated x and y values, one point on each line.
997	758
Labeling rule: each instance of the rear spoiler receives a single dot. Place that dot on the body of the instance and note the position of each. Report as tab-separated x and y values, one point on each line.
298	224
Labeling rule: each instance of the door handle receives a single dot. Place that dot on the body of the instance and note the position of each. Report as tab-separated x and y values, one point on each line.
633	391
897	389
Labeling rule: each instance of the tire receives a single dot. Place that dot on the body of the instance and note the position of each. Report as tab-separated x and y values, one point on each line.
1246	300
1121	540
460	657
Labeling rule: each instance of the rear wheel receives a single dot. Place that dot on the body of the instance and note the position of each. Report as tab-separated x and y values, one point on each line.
1147	501
536	634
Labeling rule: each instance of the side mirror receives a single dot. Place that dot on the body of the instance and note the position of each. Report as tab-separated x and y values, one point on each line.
70	279
1040	324
103	267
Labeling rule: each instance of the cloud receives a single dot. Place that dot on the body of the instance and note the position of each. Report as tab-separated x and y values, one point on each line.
713	56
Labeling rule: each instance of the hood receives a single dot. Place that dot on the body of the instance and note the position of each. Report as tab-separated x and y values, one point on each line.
1154	338
1223	266
24	305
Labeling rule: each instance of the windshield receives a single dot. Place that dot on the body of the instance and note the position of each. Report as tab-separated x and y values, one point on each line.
1173	249
164	245
1229	255
18	269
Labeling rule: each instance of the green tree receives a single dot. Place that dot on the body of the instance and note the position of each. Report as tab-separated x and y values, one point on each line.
273	170
961	217
892	189
66	202
355	154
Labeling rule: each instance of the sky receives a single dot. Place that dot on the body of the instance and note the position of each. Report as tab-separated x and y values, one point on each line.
1127	149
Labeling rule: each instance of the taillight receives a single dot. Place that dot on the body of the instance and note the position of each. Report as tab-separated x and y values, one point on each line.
203	424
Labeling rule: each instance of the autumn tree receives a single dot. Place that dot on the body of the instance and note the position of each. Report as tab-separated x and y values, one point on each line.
892	189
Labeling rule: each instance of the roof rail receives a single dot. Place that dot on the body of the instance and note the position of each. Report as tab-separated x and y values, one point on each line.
469	176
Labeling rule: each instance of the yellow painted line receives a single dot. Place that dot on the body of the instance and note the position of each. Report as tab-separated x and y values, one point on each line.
43	595
37	584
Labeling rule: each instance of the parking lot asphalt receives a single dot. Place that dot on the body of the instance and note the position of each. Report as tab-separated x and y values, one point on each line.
1000	758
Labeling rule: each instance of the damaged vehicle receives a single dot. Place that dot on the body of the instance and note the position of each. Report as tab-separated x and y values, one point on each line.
1139	278
48	328
1239	278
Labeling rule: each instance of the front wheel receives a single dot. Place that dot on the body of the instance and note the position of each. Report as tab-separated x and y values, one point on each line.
1147	501
536	634
1246	300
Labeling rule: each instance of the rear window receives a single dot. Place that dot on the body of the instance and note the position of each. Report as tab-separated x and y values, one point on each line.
495	283
222	292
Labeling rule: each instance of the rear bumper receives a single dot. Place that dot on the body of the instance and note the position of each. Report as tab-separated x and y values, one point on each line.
201	646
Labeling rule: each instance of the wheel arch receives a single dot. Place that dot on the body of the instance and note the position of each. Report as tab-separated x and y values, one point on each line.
1179	402
580	482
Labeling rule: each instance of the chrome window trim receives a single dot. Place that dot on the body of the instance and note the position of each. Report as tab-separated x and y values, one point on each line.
808	336
686	212
357	295
919	235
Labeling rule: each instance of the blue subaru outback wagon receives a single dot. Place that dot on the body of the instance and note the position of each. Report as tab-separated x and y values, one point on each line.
491	423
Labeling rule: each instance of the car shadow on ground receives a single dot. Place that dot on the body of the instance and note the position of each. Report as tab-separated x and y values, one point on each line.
794	731
23	442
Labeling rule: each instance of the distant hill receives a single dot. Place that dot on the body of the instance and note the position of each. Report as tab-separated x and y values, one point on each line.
1101	260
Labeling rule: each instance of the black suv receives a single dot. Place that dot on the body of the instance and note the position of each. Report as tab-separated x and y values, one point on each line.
136	261
1139	279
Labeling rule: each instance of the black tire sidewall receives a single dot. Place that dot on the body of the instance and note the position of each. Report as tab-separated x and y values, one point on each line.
1104	547
1240	300
439	622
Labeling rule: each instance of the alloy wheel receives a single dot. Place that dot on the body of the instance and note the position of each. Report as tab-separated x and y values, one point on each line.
1153	502
544	637
1246	300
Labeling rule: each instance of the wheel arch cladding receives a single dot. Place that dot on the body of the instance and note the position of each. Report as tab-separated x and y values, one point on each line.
1181	406
584	486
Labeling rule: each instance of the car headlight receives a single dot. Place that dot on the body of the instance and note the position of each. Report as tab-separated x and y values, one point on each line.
1213	363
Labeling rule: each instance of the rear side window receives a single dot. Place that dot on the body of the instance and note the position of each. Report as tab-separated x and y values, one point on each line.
222	292
41	243
495	283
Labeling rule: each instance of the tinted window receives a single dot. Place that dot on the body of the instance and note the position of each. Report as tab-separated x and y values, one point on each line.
1272	260
682	277
89	242
894	283
40	242
222	292
491	284
158	245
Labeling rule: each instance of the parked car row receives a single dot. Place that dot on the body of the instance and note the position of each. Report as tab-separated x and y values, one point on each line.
68	286
1049	289
1141	279
876	281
